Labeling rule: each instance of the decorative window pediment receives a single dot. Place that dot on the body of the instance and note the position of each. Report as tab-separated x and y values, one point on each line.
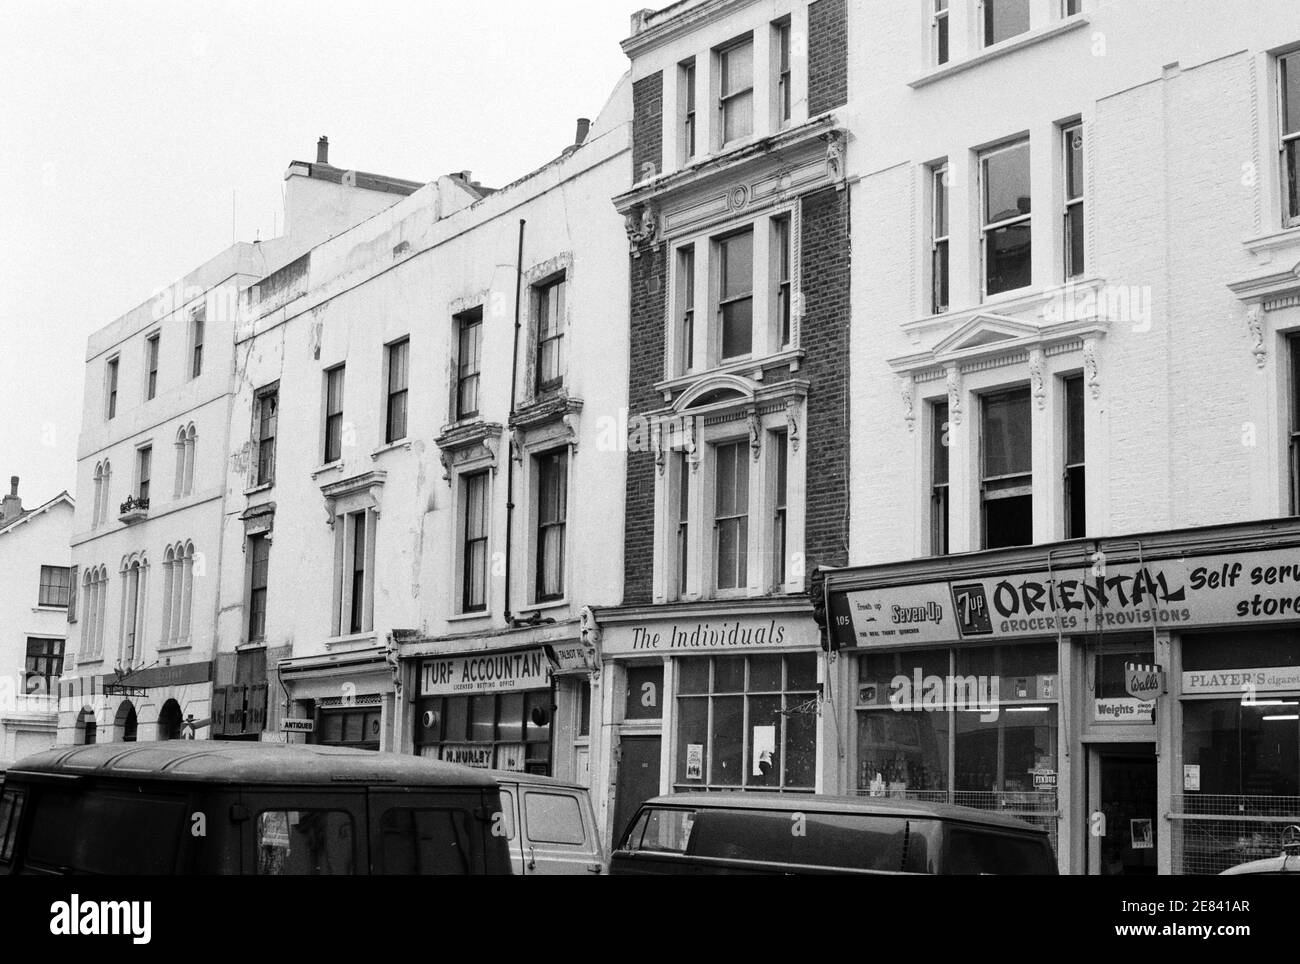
349	495
1263	294
549	419
468	444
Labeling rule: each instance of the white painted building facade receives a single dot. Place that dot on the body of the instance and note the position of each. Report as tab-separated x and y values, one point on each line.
146	541
35	594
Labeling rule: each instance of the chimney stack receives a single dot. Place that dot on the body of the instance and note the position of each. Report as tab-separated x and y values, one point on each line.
584	128
323	150
11	507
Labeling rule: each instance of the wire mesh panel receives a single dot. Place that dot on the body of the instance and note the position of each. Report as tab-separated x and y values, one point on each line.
1213	832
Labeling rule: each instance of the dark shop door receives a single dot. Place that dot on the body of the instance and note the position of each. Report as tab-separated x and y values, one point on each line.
638	779
1123	788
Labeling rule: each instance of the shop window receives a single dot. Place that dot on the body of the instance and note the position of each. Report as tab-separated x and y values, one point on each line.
977	727
645	685
359	727
305	842
1076	514
1111	702
1006	233
1006	480
939	502
747	722
1004	19
503	731
424	841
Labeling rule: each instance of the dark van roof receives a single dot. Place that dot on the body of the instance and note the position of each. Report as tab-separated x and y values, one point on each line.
827	803
269	763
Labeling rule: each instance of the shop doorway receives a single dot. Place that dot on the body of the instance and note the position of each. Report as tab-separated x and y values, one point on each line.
1123	831
638	779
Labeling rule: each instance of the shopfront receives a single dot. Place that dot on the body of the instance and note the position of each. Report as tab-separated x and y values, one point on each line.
1137	698
345	698
153	703
711	697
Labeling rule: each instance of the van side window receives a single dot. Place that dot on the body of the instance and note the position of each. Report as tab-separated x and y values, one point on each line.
48	842
129	833
847	840
11	814
424	841
979	852
662	831
552	818
311	842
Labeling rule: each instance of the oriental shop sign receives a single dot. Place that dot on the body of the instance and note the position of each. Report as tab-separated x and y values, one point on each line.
1237	589
485	673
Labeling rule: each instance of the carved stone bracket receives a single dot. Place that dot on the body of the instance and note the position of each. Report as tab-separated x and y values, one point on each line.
1037	382
792	423
642	226
954	395
1090	370
907	391
657	444
589	634
553	417
1255	327
370	483
835	157
755	434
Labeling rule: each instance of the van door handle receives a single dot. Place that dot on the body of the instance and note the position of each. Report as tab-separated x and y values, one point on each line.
595	868
532	857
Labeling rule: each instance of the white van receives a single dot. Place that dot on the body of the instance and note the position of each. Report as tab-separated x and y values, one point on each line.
549	825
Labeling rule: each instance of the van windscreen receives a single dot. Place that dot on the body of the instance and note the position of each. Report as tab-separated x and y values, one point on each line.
847	840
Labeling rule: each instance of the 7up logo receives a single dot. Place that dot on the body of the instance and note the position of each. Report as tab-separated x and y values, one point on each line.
972	609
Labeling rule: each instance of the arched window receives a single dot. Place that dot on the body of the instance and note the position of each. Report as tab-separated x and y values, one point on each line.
92	628
99	496
169	579
178	487
169	721
124	725
135	572
104	491
186	593
191	442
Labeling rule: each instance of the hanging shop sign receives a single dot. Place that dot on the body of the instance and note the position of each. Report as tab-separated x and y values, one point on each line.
294	725
1230	589
572	657
484	673
1143	681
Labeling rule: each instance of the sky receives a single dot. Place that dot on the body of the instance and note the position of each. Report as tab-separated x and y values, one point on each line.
139	139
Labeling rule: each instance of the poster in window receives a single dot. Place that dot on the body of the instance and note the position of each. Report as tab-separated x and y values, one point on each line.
1141	835
695	761
764	744
1191	776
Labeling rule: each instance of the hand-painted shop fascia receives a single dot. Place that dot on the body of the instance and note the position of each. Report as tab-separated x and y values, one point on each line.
997	679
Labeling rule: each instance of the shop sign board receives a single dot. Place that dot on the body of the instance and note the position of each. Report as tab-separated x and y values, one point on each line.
1123	709
1213	590
1143	682
710	635
485	756
1044	779
291	725
1274	679
485	672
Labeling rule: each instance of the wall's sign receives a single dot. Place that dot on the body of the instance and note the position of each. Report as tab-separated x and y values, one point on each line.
1273	679
1241	588
709	635
484	673
1143	681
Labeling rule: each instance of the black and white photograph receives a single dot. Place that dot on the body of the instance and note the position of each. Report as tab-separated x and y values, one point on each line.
788	438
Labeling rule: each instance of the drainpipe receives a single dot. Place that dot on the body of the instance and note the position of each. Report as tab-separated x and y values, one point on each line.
514	379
